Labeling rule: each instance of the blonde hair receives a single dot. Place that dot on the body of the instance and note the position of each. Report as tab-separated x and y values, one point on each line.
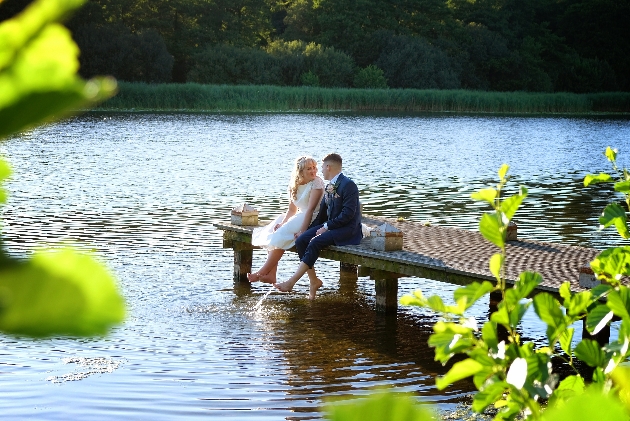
297	176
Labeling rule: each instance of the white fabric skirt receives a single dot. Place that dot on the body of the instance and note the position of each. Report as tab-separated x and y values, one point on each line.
283	237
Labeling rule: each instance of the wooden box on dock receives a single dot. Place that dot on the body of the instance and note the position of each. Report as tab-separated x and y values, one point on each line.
244	215
386	237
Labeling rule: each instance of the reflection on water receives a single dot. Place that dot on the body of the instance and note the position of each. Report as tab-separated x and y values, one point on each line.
143	190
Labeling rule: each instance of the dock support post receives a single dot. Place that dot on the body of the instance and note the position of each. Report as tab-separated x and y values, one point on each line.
386	286
348	278
347	271
243	254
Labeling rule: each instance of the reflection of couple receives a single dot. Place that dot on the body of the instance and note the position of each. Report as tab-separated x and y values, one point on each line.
318	217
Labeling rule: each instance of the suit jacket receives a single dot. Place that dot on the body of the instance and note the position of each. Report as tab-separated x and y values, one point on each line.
340	210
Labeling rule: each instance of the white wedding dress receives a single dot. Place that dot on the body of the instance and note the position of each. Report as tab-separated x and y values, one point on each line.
283	237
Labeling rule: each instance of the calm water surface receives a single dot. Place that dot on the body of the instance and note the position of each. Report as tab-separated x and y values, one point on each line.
143	190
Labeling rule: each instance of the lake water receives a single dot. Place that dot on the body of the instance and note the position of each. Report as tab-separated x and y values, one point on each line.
142	191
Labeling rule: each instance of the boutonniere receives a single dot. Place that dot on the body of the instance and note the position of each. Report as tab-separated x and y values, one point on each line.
331	189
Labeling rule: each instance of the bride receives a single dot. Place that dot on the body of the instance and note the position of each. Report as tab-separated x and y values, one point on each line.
305	194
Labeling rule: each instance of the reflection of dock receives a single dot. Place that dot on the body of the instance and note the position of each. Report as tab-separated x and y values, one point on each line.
445	254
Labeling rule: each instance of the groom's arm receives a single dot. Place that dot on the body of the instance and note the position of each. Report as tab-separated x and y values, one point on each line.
349	207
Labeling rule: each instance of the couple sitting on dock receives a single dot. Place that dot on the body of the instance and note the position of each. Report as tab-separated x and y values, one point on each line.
318	216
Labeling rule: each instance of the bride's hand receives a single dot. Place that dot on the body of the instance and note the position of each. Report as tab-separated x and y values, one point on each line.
297	234
277	227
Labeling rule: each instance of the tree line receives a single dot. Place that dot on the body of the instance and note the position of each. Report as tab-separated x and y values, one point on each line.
499	45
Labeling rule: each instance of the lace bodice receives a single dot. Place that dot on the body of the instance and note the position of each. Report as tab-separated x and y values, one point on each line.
304	193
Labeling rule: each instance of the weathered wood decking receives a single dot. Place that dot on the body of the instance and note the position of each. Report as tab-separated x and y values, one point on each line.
440	253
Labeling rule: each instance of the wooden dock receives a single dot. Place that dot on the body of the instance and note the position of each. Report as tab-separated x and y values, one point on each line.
445	254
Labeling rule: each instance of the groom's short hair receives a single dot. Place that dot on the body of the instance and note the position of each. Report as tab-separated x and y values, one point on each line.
333	157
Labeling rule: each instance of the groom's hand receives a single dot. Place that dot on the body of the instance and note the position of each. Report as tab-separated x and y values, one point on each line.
320	231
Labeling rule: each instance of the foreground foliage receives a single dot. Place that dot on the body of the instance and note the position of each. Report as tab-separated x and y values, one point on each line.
59	292
512	375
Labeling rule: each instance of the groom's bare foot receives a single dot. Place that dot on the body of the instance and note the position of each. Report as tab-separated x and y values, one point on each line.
253	277
268	278
285	286
315	285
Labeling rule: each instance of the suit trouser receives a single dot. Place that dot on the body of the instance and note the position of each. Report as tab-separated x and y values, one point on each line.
309	245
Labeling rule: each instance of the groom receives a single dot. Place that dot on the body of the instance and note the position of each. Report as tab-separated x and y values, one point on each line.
338	223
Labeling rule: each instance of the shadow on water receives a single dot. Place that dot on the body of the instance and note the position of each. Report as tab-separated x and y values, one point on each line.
337	345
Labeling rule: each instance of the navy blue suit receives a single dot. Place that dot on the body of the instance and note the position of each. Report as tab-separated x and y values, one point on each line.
340	210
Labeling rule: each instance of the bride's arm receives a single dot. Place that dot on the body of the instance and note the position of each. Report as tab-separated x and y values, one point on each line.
313	202
287	216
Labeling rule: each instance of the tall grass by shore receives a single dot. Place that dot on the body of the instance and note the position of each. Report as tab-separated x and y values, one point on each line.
226	98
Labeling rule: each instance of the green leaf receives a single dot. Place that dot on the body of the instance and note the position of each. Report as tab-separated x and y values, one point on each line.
621	377
473	292
619	302
492	228
449	339
568	388
526	283
591	405
417	299
501	316
549	311
615	214
496	263
578	303
503	171
460	370
517	314
597	318
612	263
38	69
510	205
600	290
622	187
565	340
594	179
565	292
393	406
436	304
487	195
58	293
488	395
611	154
591	353
489	335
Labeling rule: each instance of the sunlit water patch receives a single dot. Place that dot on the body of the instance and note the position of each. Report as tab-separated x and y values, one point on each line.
142	191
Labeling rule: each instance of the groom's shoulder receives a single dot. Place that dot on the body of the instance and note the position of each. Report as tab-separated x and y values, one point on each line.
347	180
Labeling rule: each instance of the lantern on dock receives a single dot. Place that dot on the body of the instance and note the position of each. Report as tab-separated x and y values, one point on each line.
244	215
386	237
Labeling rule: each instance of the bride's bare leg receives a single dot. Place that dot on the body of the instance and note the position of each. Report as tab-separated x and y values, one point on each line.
288	285
273	257
269	277
315	283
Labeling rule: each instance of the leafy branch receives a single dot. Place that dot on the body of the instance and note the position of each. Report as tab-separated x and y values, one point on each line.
512	375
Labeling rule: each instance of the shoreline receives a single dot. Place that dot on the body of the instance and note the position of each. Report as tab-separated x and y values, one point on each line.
606	114
196	98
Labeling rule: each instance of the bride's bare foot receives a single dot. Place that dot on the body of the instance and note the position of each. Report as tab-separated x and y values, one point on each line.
314	286
285	286
253	277
267	278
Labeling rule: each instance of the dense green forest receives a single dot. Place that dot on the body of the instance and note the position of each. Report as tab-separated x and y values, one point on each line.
498	45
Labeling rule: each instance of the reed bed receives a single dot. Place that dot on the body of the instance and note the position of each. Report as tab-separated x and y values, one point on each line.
241	98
